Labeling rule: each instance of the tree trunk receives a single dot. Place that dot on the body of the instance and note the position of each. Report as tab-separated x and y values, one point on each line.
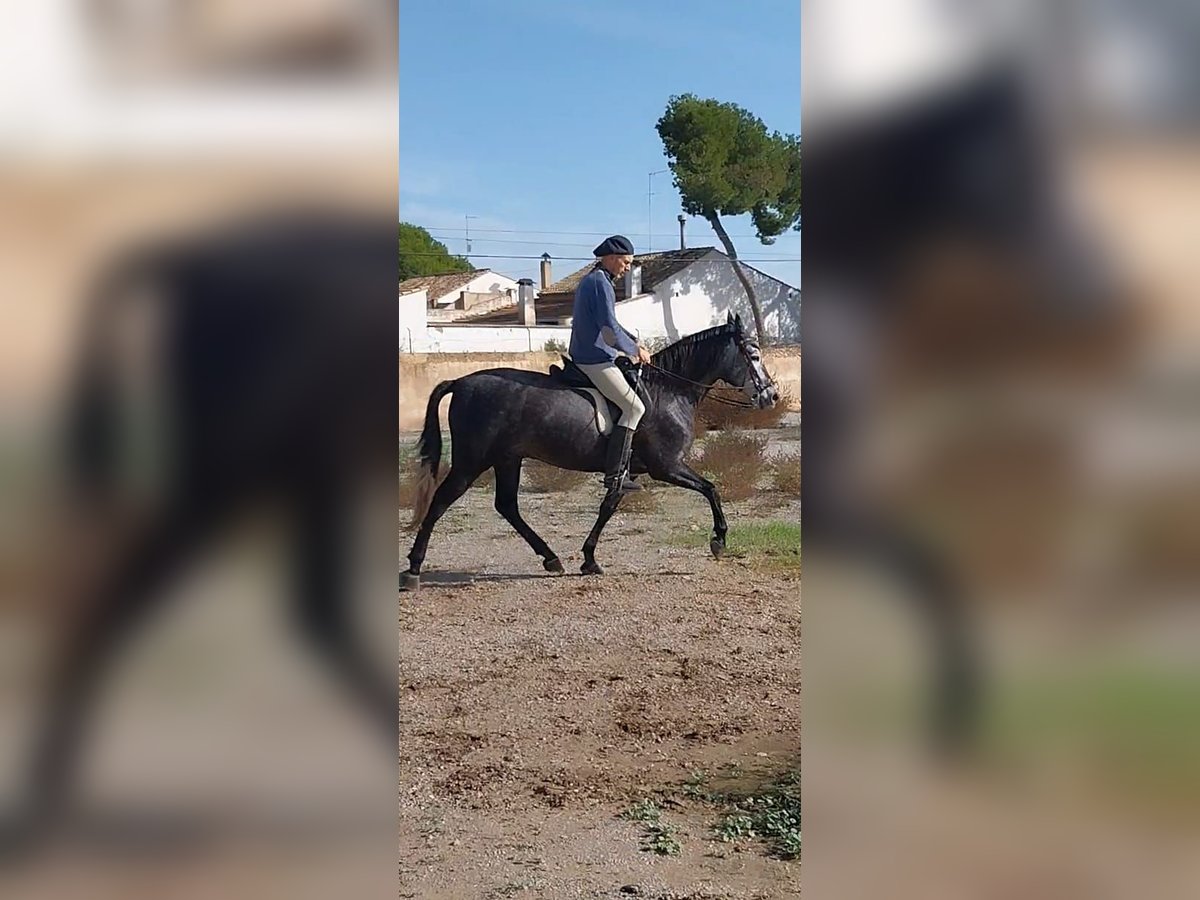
715	222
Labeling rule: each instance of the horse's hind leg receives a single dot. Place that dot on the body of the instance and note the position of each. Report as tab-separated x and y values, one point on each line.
454	486
609	506
508	482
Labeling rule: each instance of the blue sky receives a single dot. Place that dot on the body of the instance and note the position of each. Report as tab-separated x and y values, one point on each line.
536	118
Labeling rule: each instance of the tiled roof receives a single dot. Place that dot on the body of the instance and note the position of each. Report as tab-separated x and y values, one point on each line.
439	285
558	300
656	268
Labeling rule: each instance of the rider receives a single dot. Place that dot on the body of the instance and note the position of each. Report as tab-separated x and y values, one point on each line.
596	337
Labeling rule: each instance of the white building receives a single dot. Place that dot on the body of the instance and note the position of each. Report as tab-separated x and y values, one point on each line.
665	296
454	293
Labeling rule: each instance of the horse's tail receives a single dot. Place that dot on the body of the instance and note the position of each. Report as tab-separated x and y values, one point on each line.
429	449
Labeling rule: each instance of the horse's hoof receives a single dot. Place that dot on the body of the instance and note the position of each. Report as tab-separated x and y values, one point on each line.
717	547
553	564
591	568
410	582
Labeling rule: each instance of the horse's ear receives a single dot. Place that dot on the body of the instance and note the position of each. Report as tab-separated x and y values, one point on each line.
737	321
729	320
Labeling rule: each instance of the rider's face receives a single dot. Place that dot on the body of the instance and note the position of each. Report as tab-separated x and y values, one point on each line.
617	264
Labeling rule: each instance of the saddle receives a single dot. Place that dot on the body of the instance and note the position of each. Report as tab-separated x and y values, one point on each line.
571	376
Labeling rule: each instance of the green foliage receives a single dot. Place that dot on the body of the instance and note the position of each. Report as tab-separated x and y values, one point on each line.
645	810
660	838
420	254
773	544
657	836
726	163
773	816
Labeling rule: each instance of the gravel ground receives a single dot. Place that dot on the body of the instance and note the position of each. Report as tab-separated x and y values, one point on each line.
536	708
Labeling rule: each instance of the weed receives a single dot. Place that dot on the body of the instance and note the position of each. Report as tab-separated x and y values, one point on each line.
659	838
786	472
772	816
734	460
645	810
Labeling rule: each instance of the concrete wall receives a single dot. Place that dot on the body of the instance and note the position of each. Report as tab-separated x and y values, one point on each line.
412	320
697	298
421	372
490	339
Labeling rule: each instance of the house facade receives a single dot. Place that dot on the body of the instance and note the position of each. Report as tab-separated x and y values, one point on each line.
451	294
665	296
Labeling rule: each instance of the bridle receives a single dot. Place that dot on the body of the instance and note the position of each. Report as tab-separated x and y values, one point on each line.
743	347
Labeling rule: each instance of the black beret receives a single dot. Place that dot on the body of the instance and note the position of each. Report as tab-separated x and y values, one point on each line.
618	244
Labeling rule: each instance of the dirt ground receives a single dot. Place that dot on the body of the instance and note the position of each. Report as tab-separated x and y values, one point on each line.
536	708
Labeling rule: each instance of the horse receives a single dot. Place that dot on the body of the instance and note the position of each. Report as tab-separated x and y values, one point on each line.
961	166
501	417
275	376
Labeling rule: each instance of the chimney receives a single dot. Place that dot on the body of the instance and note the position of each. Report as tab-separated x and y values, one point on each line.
633	281
526	314
547	280
682	245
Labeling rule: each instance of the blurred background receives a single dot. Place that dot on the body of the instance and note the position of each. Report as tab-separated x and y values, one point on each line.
197	426
1002	449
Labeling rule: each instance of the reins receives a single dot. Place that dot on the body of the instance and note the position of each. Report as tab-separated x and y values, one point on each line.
717	398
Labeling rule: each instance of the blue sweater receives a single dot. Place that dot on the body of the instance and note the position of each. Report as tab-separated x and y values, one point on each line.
595	309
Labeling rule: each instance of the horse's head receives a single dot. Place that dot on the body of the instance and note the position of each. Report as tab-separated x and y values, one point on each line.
744	368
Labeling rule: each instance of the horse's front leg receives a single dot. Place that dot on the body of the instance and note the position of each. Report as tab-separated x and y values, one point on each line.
607	507
683	476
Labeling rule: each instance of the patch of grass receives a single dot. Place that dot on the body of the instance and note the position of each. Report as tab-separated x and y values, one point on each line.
734	460
554	345
540	478
772	815
1129	728
773	542
785	472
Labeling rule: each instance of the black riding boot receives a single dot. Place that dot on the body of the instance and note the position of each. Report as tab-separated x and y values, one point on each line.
616	466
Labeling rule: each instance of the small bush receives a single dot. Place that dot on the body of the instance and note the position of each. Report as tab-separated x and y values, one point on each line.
786	472
734	460
554	345
721	416
541	478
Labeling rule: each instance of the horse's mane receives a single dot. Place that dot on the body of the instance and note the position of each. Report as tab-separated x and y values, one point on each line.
674	357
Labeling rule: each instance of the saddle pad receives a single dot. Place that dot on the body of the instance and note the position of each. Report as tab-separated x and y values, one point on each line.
604	417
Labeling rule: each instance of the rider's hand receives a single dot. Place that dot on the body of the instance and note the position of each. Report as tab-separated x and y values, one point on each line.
643	354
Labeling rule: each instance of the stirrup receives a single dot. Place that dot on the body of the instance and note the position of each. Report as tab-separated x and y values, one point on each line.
627	485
